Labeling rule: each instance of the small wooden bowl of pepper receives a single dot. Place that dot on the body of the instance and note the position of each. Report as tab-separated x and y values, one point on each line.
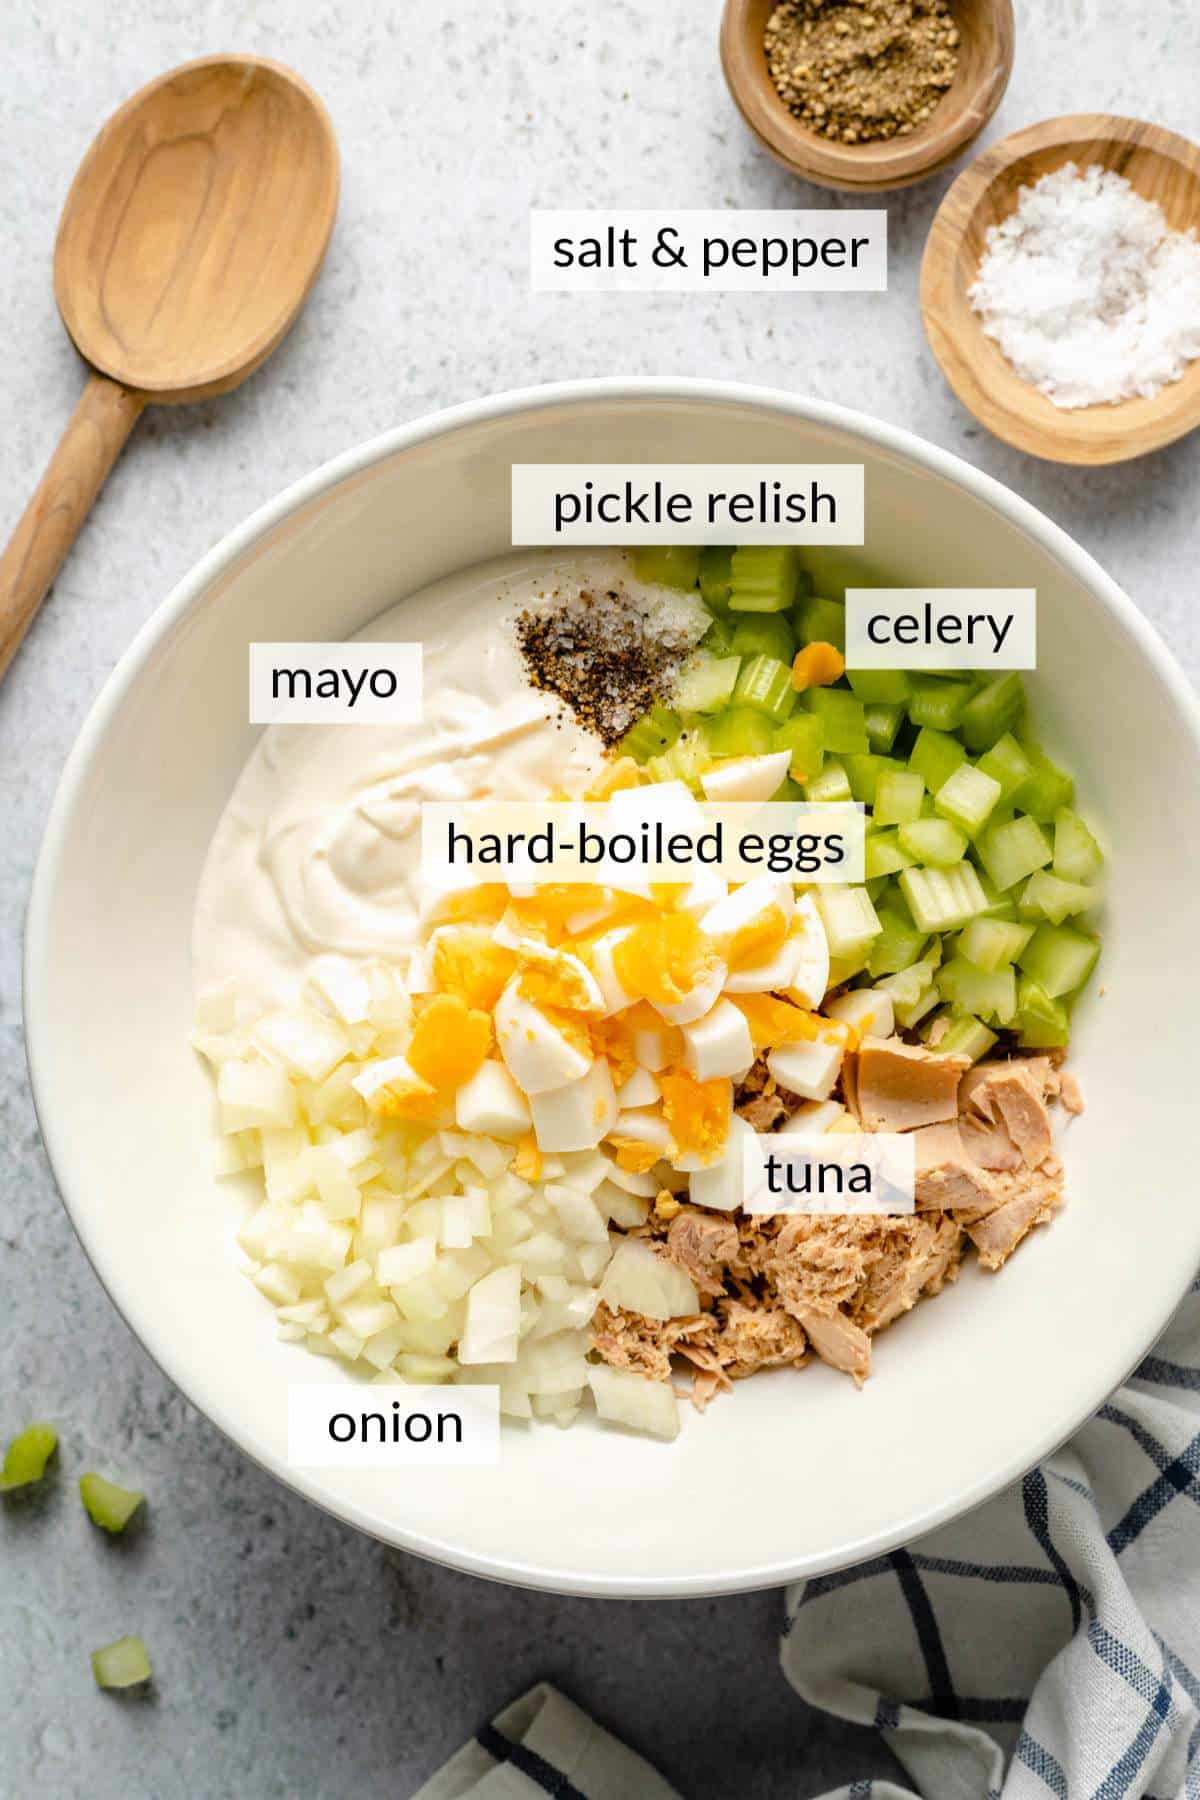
983	58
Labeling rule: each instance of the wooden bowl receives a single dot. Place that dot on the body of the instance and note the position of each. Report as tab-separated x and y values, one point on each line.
1162	167
986	32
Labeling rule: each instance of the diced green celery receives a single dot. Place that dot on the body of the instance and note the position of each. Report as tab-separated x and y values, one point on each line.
942	899
891	687
670	565
845	968
899	944
107	1505
989	993
789	790
706	682
906	986
1047	789
998	906
935	756
764	634
1045	896
898	796
804	735
122	1664
967	798
718	639
740	731
882	855
715	575
650	735
1008	764
991	712
764	578
966	1036
819	621
1059	959
850	920
1077	855
766	685
993	943
864	773
934	842
26	1457
684	761
1043	1023
845	723
883	724
937	704
910	1014
831	784
1014	850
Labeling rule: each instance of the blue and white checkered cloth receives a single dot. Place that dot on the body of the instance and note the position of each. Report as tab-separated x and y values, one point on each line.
1048	1644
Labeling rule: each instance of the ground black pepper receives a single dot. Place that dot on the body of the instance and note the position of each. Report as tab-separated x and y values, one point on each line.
603	655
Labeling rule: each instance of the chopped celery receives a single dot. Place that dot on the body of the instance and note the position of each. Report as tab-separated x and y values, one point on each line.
937	704
789	790
764	578
966	1036
715	575
998	906
967	798
993	943
1014	850
898	796
766	685
989	993
718	639
706	682
883	855
1047	790
864	773
845	722
1077	855
670	565
942	899
849	919
906	986
740	731
1046	897
832	783
899	944
1059	959
685	761
1008	764
764	634
122	1664
26	1457
911	1013
933	841
883	723
804	735
991	712
1042	1022
653	733
935	756
107	1505
820	621
891	687
845	968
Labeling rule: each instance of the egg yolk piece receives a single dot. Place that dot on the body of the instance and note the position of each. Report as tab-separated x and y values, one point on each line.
758	940
664	960
469	964
697	1113
449	1042
774	1022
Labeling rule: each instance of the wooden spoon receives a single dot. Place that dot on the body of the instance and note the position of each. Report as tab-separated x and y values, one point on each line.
190	238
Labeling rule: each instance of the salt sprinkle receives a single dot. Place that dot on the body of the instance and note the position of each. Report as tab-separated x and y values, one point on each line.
1087	291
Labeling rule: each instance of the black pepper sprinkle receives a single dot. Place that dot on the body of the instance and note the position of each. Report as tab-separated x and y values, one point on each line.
604	656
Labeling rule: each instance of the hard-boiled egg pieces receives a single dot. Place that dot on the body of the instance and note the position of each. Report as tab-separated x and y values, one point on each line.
815	1116
722	1185
772	1021
641	1089
869	1010
639	1139
577	1115
467	961
600	954
555	977
541	1050
449	1041
810	972
491	1103
697	1114
809	1070
747	778
718	1044
670	962
750	925
393	1089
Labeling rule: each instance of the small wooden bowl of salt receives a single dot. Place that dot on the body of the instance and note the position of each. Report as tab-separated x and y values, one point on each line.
1065	339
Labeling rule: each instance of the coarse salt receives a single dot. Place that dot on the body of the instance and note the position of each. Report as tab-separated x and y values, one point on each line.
1088	292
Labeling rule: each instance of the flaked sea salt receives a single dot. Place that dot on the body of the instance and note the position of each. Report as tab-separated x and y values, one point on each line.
1088	292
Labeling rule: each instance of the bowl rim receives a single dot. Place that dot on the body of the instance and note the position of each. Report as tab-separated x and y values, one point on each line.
190	592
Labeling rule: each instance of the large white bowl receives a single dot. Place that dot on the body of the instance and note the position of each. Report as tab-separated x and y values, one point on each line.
794	1473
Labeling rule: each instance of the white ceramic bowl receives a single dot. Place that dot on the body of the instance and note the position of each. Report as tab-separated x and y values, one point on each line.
794	1473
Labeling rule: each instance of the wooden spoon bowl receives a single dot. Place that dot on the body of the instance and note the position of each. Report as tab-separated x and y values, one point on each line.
1162	167
987	35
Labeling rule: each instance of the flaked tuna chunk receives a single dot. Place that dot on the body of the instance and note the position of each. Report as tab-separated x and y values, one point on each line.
914	1265
841	1343
631	1341
757	1337
1071	1094
702	1245
899	1087
997	1234
987	1143
813	1261
946	1175
1013	1094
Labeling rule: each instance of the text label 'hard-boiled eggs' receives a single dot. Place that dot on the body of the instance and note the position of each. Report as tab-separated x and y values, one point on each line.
687	503
337	1425
857	1172
628	845
764	251
941	628
360	683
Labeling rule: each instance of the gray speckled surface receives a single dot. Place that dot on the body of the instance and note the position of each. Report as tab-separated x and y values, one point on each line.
293	1656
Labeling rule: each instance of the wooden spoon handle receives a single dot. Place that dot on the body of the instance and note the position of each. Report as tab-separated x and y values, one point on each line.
87	450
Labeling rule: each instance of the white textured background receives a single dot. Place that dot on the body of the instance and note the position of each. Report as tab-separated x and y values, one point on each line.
294	1657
